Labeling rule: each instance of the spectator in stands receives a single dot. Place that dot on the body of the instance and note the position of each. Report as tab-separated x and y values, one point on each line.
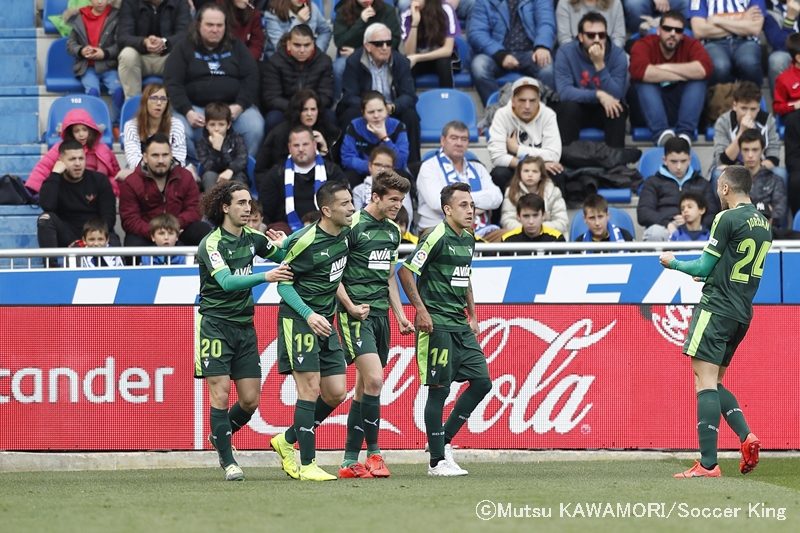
768	192
210	66
378	67
153	116
93	42
669	71
164	230
530	227
595	215
693	207
746	114
283	15
297	64
245	25
256	220
403	220
659	209
779	23
462	8
147	31
730	31
287	190
531	176
569	12
303	109
786	104
159	185
95	235
591	79
450	165
70	196
374	128
525	127
381	159
429	32
511	36
78	125
351	21
222	153
642	11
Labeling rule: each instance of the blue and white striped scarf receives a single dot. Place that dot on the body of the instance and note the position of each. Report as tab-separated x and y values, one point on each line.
288	188
451	175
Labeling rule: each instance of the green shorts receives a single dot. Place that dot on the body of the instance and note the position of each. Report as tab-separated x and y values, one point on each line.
713	338
447	356
302	350
225	349
364	336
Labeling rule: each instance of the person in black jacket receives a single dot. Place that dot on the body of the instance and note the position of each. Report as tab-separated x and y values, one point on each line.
659	201
377	60
211	66
146	32
71	196
221	152
297	64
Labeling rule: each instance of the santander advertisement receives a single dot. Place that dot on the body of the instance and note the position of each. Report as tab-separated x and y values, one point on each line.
564	376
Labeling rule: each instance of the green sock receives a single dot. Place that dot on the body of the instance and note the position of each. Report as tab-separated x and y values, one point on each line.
433	422
355	434
304	429
321	411
708	415
221	435
732	413
371	413
466	403
238	417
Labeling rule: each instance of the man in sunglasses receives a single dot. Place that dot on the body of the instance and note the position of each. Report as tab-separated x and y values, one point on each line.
669	71
591	78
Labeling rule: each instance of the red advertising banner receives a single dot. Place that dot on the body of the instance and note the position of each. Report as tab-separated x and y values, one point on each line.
564	376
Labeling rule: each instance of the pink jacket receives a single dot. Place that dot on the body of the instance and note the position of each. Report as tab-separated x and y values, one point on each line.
99	157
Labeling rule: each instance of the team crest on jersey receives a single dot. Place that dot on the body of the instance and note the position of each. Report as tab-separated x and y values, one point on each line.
460	277
337	268
379	260
419	258
216	260
712	241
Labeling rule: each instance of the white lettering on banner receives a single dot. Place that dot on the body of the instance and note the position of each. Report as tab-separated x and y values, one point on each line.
674	324
27	384
96	291
670	283
177	290
571	283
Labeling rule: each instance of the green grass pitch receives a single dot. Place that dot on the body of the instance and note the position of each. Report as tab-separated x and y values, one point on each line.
198	500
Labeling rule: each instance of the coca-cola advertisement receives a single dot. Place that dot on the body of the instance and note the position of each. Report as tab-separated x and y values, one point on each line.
564	376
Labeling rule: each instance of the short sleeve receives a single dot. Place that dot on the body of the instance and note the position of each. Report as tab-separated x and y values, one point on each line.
426	250
720	235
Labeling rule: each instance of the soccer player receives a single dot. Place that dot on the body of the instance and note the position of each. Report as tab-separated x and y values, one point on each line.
447	346
226	344
732	265
368	288
308	347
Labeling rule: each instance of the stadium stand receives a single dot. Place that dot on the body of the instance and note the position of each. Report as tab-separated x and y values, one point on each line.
439	106
52	7
461	78
59	77
95	106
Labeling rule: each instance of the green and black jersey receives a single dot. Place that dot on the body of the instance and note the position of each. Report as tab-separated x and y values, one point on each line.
221	250
740	238
318	261
442	261
373	254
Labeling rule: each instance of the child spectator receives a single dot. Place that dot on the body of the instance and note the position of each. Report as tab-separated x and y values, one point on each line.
93	42
79	126
531	214
381	159
256	220
222	153
531	176
95	235
402	220
164	230
693	207
595	215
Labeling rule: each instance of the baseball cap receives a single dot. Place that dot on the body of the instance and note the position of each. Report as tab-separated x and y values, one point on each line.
526	81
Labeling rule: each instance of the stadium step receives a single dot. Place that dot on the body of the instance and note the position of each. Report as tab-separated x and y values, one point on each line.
19	159
18	14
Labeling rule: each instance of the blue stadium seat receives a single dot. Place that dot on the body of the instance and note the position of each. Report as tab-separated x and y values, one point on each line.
58	75
460	79
52	7
592	134
493	98
653	158
129	109
616	216
93	105
616	196
437	107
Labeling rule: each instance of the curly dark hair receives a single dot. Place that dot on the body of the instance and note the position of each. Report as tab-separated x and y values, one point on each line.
221	194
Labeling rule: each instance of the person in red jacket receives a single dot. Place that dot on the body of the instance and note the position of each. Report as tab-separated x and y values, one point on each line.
245	25
786	104
160	185
669	72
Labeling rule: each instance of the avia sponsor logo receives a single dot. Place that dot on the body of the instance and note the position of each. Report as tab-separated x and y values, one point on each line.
460	276
672	322
380	260
244	271
103	384
337	268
